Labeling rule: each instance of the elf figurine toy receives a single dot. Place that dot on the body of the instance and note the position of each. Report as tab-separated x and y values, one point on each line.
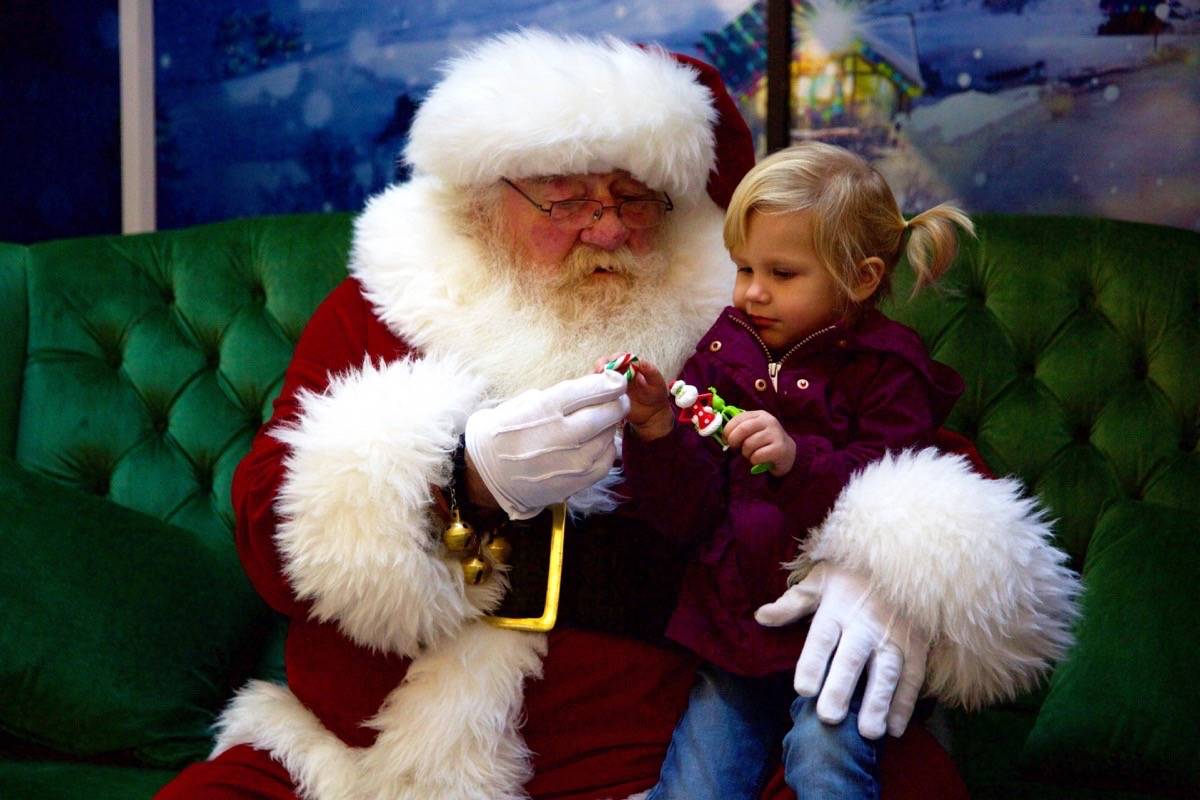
708	414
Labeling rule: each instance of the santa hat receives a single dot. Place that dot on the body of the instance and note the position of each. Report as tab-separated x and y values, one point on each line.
531	103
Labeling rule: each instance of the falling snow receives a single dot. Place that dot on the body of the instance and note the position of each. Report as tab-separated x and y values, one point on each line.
1021	111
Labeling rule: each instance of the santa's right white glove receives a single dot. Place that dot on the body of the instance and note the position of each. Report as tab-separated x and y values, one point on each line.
853	630
544	445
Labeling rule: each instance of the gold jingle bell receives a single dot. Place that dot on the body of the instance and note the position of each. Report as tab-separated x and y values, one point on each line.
476	570
458	536
498	549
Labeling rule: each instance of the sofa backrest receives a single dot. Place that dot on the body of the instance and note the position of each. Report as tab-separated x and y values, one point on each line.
14	260
149	361
1079	341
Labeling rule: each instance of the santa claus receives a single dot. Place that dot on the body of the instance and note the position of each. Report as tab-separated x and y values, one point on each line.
565	203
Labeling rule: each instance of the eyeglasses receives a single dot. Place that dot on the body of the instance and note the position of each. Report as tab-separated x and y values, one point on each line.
638	213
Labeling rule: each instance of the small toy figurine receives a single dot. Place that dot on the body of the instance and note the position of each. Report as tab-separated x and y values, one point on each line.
708	414
624	364
698	409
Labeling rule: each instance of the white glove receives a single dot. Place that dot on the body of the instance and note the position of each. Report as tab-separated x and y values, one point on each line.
861	628
544	445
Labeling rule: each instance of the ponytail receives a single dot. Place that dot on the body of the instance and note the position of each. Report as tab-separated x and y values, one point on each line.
933	241
854	216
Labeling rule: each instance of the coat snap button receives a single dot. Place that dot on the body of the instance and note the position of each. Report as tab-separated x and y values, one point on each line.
714	346
760	384
802	383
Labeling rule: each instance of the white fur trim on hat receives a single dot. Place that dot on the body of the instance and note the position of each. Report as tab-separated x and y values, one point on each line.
531	103
967	559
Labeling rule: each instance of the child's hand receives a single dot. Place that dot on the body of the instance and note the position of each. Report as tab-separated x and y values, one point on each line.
762	440
651	413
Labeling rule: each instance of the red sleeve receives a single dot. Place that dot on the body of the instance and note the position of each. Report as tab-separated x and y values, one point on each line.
341	334
677	484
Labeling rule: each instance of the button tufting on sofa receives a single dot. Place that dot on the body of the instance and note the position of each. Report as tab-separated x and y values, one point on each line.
1083	433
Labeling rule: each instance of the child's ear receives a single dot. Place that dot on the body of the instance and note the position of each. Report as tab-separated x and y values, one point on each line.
870	273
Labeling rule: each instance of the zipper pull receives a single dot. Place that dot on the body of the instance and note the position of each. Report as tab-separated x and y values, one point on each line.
773	370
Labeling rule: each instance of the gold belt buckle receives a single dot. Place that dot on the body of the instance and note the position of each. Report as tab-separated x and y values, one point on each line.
558	528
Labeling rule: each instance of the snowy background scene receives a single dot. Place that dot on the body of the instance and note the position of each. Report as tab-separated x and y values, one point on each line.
1029	110
1025	106
302	106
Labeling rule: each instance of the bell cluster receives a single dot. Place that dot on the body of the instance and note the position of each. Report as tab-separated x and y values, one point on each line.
478	553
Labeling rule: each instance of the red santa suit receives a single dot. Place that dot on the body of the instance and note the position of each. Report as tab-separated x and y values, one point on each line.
397	687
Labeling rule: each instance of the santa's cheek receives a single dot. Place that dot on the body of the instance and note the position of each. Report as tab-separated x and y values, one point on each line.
642	241
548	247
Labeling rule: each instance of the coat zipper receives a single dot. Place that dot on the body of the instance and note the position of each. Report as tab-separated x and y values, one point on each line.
774	367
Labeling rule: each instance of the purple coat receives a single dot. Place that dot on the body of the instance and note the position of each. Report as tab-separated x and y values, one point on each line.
846	396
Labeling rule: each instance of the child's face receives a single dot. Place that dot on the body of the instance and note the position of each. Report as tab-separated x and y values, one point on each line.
781	284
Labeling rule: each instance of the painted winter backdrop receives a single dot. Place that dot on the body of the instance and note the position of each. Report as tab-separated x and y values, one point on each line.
1027	106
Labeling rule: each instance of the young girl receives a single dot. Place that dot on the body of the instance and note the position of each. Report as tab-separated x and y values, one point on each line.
828	385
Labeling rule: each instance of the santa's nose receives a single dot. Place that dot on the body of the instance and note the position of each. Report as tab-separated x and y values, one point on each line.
608	232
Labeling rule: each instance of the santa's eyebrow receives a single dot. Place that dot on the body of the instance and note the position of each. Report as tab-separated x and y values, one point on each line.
632	186
556	181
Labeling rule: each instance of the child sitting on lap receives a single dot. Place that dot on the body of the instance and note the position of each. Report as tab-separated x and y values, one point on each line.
829	385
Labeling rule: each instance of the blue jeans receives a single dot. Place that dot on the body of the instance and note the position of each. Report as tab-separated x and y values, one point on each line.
725	743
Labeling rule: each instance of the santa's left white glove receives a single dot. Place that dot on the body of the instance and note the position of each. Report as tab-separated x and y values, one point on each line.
865	633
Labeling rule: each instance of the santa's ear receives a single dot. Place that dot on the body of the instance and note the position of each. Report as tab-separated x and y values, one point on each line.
868	274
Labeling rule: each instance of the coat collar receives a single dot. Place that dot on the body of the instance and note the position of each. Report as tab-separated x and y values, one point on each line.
872	332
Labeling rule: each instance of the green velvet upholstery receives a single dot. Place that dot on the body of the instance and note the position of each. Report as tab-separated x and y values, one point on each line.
58	780
151	360
1124	709
1079	340
13	311
134	372
123	633
137	369
1080	344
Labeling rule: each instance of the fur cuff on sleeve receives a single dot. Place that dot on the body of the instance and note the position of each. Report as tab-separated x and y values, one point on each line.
966	558
356	534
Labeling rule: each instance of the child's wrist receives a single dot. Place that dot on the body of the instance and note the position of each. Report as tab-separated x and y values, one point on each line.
657	426
789	459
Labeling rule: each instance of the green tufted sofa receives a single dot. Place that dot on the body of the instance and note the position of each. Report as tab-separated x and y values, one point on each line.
134	371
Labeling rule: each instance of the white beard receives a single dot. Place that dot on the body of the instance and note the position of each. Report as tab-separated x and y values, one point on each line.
459	296
568	319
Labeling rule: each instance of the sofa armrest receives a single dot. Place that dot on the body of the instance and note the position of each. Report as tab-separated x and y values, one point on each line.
14	261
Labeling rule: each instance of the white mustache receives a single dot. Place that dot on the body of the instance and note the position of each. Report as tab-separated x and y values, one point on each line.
585	259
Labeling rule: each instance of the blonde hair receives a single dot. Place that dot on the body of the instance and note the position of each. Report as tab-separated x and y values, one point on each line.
854	215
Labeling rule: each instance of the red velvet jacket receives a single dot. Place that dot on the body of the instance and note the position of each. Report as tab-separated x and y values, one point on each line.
622	707
846	397
343	684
